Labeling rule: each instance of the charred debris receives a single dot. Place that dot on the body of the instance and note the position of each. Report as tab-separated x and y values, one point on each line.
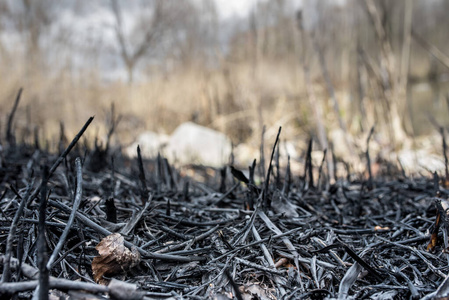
91	223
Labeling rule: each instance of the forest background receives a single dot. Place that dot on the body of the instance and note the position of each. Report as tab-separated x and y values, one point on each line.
331	69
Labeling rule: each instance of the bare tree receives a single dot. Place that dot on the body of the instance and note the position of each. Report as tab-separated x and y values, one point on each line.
391	90
147	34
313	100
30	20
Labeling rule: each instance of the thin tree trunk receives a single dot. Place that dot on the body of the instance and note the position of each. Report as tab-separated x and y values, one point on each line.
130	71
391	89
331	91
405	58
315	104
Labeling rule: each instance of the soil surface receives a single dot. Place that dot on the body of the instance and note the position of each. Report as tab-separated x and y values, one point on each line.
197	232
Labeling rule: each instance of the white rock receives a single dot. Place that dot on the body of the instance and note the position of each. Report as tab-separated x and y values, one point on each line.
150	144
192	143
420	161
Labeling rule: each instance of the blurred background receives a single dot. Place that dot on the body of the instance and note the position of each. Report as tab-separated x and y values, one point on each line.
327	68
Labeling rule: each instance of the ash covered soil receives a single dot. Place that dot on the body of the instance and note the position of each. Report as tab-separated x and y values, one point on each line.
141	229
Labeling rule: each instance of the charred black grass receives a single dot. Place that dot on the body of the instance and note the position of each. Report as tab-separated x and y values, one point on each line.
354	256
358	238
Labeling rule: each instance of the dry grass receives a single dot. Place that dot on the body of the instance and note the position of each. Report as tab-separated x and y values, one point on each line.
237	99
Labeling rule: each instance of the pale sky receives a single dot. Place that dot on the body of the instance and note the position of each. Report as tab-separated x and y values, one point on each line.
238	8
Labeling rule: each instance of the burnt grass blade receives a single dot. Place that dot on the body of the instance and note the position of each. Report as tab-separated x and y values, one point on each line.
10	137
266	201
351	253
42	253
202	234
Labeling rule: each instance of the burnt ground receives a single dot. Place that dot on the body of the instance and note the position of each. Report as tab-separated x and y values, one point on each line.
275	236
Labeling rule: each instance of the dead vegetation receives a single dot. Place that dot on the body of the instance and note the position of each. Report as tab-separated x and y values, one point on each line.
140	230
358	56
80	220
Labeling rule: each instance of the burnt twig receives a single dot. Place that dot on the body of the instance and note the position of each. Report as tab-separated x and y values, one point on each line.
143	182
368	160
43	287
262	154
76	202
445	154
353	255
321	169
308	167
12	232
10	138
265	200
